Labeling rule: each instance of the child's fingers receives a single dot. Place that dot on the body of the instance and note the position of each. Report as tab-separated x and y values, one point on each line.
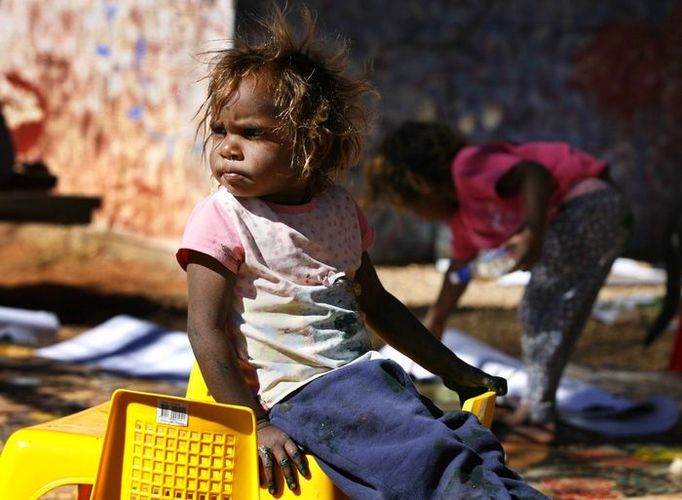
299	459
289	456
268	462
498	384
288	471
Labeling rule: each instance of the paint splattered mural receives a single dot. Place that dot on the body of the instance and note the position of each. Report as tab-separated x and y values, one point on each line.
104	92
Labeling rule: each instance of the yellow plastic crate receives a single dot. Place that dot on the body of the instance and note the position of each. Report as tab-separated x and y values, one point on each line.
317	486
56	453
147	454
164	447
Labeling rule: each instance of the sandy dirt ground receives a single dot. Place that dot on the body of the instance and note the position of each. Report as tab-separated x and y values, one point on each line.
87	278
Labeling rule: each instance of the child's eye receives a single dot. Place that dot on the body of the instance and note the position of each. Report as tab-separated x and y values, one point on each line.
217	129
252	132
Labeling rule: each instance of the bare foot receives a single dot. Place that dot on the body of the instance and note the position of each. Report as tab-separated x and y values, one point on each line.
517	426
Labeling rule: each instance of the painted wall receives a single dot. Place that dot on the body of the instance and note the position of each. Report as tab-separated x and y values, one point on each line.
104	92
605	76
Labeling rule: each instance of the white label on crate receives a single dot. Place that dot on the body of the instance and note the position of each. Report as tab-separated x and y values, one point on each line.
172	413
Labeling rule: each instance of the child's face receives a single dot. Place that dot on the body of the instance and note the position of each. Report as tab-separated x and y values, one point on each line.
247	155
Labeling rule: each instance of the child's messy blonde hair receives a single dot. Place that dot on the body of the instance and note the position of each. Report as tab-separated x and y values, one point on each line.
317	106
411	161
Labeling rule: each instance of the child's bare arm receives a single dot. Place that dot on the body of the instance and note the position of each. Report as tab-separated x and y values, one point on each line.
534	183
210	287
448	298
394	322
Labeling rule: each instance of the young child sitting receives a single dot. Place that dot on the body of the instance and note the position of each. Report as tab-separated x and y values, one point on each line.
552	208
280	287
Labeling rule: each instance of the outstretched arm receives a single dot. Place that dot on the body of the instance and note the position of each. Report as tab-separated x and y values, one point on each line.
394	322
451	291
210	287
534	183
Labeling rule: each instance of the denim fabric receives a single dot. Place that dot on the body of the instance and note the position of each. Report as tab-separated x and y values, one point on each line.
378	438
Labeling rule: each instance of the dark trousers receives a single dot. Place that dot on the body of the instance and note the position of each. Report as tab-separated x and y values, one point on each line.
378	438
579	248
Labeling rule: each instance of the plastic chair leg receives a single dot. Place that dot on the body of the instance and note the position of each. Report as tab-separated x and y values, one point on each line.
483	406
63	451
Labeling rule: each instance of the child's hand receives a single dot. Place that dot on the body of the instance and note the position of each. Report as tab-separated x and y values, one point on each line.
484	384
525	247
276	448
497	384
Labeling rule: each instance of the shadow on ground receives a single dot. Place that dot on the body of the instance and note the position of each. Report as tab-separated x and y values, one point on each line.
84	306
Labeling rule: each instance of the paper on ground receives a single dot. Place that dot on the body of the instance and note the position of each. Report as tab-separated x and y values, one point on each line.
608	311
27	327
129	346
580	404
135	347
623	272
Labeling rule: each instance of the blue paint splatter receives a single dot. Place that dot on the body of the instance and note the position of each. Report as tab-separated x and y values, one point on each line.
136	112
140	49
110	12
102	50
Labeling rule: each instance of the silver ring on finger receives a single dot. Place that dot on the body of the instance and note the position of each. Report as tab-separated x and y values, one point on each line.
267	454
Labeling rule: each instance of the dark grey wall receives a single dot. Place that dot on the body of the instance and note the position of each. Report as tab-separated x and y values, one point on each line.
605	76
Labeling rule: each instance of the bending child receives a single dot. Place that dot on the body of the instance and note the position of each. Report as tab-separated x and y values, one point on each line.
280	286
552	208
